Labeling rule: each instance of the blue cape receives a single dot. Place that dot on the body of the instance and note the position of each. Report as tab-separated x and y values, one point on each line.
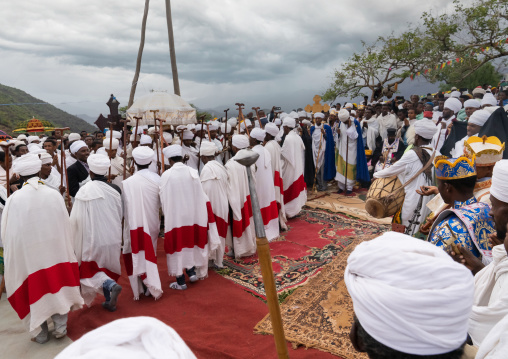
362	170
330	169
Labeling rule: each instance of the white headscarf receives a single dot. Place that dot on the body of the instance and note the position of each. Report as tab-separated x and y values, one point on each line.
453	104
499	187
472	103
272	129
143	155
76	146
145	140
343	115
33	138
116	134
45	158
207	148
488	99
172	151
425	128
320	115
409	294
188	135
74	137
455	94
289	122
240	141
129	338
277	121
258	134
479	117
27	165
99	164
114	143
302	114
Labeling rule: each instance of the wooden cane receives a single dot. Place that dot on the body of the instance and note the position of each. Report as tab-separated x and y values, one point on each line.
226	111
135	143
110	147
208	130
6	146
62	153
124	148
257	116
162	143
202	118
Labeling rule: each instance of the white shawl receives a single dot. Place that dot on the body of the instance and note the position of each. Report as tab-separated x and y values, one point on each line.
295	192
274	150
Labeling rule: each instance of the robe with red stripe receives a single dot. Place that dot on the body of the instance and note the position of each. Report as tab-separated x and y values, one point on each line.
142	203
190	231
241	234
266	193
274	150
96	220
41	270
295	189
214	180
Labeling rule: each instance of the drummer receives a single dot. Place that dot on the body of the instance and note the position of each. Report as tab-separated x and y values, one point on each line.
409	166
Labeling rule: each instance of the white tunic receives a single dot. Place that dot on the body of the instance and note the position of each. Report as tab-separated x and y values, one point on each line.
295	190
372	131
319	146
347	146
386	122
274	150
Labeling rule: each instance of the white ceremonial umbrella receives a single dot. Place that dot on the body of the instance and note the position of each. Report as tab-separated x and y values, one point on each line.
172	108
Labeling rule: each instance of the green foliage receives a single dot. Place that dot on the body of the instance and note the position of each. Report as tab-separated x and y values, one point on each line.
486	74
199	113
12	116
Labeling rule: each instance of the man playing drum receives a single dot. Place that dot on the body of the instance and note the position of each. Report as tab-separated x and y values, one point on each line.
408	166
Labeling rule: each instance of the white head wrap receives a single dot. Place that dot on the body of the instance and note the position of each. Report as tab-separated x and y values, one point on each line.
27	164
145	140
272	129
99	164
34	147
33	138
240	141
479	117
321	115
76	146
478	90
208	148
180	128
45	158
409	294
258	134
168	138
488	99
455	94
499	188
277	121
172	151
289	122
348	105
425	128
233	122
245	123
307	122
114	143
453	104
74	137
343	115
143	155
116	134
188	135
293	114
191	127
213	126
302	114
21	137
135	337
472	103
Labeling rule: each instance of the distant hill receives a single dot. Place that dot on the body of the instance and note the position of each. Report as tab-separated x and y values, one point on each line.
11	116
87	118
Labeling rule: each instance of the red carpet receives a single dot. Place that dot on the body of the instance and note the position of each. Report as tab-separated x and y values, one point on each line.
215	317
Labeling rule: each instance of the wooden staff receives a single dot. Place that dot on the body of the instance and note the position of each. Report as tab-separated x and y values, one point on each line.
124	148
62	153
69	202
208	130
154	112
110	147
226	111
135	143
6	146
240	115
202	118
257	116
162	142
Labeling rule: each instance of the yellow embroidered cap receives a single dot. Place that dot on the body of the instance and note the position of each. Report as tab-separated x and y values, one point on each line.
488	150
454	168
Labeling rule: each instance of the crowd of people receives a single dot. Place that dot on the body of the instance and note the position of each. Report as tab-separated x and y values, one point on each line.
78	202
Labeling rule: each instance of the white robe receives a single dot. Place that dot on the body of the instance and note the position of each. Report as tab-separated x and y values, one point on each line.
53	180
274	150
266	193
347	146
96	220
241	236
41	270
490	297
318	146
440	136
117	169
458	149
295	189
141	199
189	224
372	131
386	122
192	162
405	168
214	179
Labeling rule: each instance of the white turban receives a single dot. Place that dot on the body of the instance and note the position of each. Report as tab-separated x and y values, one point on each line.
409	294
478	90
99	164
233	122
343	115
76	146
472	103
499	187
213	126
132	137
74	137
143	155
34	147
425	128
102	151
258	134
191	127
181	128
455	94
321	115
26	165
240	141
172	151
453	104
114	143
488	99
22	137
245	123
45	158
168	138
207	148
188	135
116	134
33	138
272	129
307	122
129	338
479	117
145	140
289	122
293	114
277	121
348	105
302	114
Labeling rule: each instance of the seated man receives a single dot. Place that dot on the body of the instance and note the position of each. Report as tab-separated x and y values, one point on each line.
467	222
410	299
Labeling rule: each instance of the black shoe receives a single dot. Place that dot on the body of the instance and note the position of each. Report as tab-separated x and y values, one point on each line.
340	191
349	192
115	292
108	307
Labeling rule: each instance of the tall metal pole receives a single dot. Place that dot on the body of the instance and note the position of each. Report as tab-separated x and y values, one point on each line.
140	54
172	53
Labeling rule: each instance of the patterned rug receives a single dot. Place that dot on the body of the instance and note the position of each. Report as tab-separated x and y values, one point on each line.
313	240
319	314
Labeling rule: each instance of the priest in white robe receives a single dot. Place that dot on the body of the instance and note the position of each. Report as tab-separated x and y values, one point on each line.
346	152
190	233
386	120
96	220
142	203
241	236
214	179
293	154
274	150
264	185
147	141
474	126
41	270
117	163
190	153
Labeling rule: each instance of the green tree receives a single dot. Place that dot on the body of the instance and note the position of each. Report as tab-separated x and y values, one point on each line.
486	74
199	113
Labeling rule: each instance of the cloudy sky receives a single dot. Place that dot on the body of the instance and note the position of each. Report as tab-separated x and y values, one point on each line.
262	53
